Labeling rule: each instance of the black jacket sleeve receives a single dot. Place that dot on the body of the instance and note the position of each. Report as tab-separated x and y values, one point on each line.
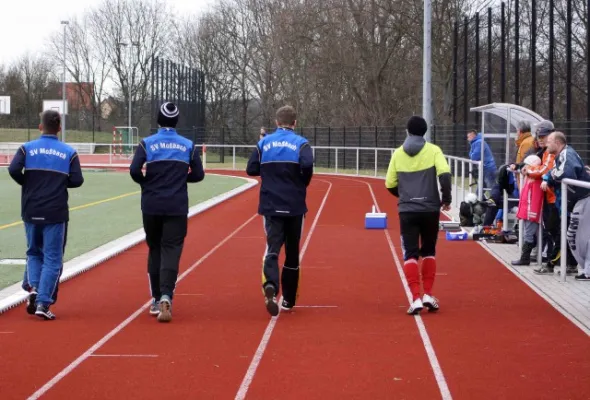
306	163
76	179
135	169
445	181
253	167
197	173
17	165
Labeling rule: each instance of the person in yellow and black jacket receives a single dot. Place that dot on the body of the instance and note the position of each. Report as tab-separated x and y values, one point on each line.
412	177
284	161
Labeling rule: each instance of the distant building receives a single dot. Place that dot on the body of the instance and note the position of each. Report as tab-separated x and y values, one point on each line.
79	95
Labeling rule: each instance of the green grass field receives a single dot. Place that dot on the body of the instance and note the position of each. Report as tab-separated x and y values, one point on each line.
23	135
91	225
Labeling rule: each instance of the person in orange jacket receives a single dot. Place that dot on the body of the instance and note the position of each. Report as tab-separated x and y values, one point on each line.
525	146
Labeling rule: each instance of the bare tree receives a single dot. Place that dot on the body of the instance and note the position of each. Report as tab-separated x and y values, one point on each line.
146	28
88	65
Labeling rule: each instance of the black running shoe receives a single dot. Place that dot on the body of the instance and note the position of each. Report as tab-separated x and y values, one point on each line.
270	300
44	312
31	306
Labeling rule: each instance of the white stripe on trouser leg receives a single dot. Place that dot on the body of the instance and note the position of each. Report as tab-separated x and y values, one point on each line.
150	285
63	233
266	248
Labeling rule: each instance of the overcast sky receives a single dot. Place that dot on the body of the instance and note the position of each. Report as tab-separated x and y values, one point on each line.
26	24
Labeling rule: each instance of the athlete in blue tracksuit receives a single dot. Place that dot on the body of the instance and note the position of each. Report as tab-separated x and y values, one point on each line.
171	161
284	161
50	168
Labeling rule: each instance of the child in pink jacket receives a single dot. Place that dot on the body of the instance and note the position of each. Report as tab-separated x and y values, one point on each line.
530	210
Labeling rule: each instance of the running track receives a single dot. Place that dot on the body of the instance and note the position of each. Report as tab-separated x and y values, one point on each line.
494	338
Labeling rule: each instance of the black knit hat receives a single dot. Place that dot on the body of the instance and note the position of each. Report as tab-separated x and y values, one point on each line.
417	126
168	115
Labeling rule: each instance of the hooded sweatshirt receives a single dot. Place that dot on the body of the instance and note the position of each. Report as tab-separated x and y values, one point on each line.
412	176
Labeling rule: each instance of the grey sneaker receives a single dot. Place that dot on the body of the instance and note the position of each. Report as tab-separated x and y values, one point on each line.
165	314
44	312
155	307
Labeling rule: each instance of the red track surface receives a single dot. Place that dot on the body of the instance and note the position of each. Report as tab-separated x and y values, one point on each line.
493	338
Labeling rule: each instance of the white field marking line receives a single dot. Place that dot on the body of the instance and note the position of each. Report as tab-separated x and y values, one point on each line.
5	333
436	368
243	390
316	306
189	294
63	373
126	355
562	310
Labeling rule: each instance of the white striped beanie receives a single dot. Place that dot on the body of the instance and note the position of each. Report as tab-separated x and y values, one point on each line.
168	115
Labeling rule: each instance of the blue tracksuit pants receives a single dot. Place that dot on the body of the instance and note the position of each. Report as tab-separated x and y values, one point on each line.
45	250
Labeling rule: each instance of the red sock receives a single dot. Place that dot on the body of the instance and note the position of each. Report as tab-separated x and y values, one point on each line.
413	277
428	273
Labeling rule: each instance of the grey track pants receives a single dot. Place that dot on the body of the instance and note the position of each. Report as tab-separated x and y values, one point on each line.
578	234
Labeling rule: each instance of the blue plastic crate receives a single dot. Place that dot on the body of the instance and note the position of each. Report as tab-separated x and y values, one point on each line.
375	220
457	236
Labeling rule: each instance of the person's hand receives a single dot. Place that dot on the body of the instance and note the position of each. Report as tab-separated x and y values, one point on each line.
544	186
446	207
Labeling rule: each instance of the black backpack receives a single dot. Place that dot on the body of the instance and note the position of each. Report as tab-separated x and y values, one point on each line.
472	214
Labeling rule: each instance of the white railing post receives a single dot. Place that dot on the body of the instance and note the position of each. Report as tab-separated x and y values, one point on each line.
480	180
456	179
357	161
540	241
313	154
563	237
110	154
375	162
470	176
234	157
336	158
204	156
462	180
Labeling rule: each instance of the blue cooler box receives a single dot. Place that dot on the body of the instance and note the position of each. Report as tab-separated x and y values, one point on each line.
375	220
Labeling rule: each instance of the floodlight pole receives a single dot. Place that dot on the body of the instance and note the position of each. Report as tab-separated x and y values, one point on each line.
130	82
427	70
63	88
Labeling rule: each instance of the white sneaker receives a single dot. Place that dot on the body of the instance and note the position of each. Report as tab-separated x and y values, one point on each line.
415	307
430	302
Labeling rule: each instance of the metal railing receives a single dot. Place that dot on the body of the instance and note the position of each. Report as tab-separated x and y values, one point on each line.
360	161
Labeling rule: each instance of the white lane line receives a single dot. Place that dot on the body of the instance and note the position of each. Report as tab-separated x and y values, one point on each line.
5	333
316	306
436	368
189	294
63	373
271	325
125	355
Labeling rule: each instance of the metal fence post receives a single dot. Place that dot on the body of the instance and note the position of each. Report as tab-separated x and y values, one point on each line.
563	237
375	162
